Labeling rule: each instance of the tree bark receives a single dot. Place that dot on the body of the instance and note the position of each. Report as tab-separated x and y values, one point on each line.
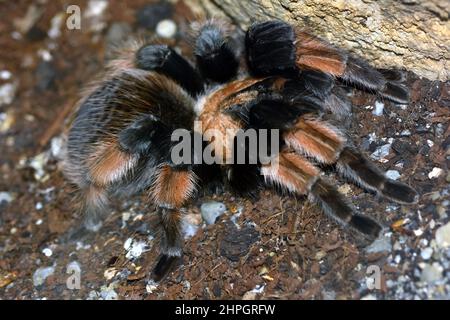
403	34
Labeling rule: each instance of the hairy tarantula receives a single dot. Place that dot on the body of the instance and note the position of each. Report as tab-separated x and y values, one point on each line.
119	141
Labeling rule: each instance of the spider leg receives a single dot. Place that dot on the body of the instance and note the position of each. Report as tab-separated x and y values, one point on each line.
106	166
213	49
279	114
296	174
275	48
315	138
163	59
339	106
170	190
355	166
325	143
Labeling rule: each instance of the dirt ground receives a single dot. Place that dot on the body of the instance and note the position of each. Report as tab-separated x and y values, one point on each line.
270	248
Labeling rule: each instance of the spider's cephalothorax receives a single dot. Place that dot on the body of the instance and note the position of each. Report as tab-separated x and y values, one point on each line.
120	139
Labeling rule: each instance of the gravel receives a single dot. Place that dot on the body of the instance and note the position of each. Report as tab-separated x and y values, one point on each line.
41	274
211	211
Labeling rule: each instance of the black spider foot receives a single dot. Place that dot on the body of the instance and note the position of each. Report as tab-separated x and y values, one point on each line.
162	58
270	48
393	75
164	265
216	58
367	226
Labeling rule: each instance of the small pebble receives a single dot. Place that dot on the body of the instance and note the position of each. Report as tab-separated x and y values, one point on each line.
381	244
190	225
435	173
108	293
381	153
39	222
405	133
38	163
57	147
369	297
345	189
6	120
393	174
151	286
127	244
110	273
5	75
135	248
47	252
41	274
6	197
55	28
431	273
7	93
443	236
426	253
379	107
210	211
45	55
96	8
166	29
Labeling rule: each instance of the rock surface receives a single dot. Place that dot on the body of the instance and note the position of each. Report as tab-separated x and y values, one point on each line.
407	34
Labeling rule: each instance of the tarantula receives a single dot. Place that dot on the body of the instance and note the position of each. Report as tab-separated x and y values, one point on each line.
119	141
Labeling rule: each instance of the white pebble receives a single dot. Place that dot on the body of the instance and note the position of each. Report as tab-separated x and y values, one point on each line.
45	55
443	236
7	93
57	148
435	173
6	196
431	273
47	252
151	286
55	28
369	297
426	253
381	153
96	8
379	107
405	132
392	174
166	28
127	244
188	228
39	222
110	273
134	248
39	206
211	211
41	274
108	292
5	75
430	143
